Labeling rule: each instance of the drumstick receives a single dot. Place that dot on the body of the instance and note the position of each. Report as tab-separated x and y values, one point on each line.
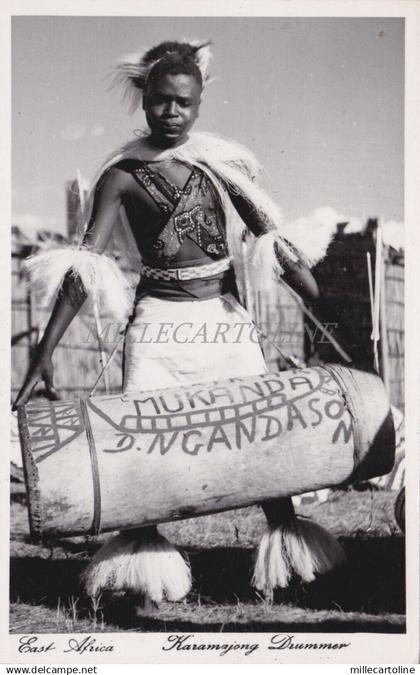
317	323
102	353
105	366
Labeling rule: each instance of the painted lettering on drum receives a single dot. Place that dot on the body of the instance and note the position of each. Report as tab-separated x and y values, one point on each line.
126	442
275	387
336	405
273	428
336	410
293	413
238	434
171	409
185	443
164	444
257	411
223	393
300	380
311	405
346	429
244	431
250	395
218	435
197	397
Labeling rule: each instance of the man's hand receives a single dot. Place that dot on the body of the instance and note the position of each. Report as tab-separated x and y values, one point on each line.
297	274
41	369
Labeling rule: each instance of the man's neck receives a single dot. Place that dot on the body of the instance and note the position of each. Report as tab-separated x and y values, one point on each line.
162	145
152	151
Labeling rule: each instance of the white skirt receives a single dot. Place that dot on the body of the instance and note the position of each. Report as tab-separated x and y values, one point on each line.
172	343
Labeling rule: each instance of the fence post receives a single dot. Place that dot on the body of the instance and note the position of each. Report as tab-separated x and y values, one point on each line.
384	329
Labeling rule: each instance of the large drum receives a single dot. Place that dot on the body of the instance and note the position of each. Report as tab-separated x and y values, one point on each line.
115	462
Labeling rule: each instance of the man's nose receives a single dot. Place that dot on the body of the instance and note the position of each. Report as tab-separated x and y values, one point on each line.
171	109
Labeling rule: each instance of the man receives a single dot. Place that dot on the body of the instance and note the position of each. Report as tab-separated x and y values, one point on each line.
186	198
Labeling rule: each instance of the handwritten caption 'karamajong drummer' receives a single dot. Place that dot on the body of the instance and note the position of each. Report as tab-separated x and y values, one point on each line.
89	645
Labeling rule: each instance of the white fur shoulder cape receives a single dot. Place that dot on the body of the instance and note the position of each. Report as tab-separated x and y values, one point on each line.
230	166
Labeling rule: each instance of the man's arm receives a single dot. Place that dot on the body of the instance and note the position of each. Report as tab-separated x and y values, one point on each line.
296	272
107	201
299	277
72	296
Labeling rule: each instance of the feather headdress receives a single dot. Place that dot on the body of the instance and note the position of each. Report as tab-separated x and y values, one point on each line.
133	70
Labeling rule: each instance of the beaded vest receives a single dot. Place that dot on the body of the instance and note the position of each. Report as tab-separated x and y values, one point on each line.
192	211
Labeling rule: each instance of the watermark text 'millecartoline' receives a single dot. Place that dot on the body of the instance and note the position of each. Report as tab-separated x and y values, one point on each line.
187	332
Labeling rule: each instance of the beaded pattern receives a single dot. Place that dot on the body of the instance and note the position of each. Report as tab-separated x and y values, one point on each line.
188	215
187	273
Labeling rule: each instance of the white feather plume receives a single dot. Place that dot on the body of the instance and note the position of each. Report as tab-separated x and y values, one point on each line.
203	58
101	277
130	75
132	71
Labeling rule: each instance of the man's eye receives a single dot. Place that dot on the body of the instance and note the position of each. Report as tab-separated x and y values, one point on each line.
156	100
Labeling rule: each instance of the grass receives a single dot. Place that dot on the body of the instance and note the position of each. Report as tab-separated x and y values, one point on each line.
365	595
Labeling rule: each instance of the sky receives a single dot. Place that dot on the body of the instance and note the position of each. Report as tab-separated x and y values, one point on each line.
319	100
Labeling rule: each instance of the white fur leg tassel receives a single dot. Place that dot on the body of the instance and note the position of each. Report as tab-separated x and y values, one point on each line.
272	567
140	561
294	547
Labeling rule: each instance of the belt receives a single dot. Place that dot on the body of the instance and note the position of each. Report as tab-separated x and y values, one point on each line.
186	273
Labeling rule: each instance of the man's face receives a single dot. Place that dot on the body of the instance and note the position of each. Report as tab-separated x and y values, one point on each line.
171	104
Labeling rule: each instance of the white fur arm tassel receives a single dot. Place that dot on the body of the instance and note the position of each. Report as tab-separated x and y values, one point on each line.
270	256
312	234
101	277
306	240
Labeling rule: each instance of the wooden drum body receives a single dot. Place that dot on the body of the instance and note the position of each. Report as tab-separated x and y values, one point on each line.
117	462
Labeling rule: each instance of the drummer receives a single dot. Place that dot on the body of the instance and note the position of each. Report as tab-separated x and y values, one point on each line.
173	190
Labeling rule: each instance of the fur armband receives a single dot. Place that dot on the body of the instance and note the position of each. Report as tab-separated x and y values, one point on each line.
271	254
313	233
102	279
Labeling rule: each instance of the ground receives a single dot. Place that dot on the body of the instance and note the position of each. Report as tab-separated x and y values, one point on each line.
367	594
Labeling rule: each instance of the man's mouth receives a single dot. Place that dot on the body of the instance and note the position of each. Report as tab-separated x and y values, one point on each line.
169	127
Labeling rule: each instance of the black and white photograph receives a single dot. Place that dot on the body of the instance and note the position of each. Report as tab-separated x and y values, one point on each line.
208	385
